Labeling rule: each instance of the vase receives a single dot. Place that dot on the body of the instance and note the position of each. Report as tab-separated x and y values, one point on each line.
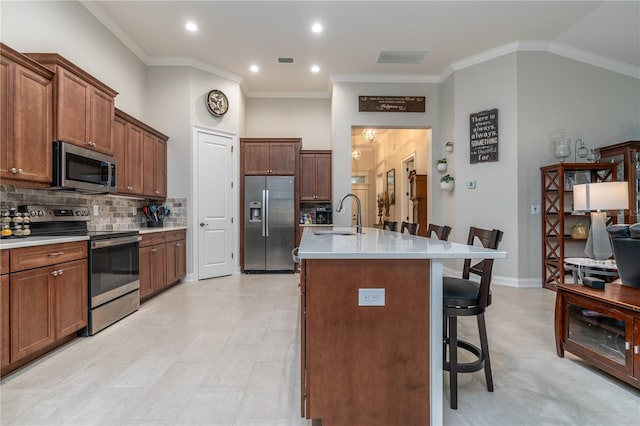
446	186
442	167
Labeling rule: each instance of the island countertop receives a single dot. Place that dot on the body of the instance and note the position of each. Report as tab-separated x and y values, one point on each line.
373	243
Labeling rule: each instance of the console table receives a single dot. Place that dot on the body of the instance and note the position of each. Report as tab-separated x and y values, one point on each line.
601	326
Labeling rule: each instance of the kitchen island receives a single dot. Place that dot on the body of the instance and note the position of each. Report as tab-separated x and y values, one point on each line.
371	325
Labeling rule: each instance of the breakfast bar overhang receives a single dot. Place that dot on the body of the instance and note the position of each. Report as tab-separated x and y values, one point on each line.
373	357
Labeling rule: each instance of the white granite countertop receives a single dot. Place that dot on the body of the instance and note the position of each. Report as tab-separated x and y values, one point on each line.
13	243
161	229
376	243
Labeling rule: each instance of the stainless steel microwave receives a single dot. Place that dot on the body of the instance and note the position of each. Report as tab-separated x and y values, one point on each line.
81	169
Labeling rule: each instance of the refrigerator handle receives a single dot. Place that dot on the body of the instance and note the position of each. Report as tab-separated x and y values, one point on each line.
266	213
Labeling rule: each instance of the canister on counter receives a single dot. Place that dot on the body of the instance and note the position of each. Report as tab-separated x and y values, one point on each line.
6	231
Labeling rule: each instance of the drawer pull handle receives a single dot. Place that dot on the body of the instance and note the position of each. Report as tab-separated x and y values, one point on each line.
57	253
58	272
154	250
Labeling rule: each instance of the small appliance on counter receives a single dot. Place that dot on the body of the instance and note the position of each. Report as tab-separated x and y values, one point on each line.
324	216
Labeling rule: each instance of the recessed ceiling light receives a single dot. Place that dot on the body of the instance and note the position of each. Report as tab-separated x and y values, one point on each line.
254	68
191	26
316	28
315	68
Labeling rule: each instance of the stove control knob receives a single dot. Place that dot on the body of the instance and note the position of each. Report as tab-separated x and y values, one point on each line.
40	212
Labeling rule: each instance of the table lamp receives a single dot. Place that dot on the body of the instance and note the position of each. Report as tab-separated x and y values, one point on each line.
596	197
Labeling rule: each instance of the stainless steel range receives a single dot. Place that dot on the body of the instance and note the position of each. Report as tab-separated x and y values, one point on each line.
114	269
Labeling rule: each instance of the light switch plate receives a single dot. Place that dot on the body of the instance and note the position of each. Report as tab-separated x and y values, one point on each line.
96	211
371	297
471	184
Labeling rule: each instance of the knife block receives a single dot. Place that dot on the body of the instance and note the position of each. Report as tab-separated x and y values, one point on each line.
158	224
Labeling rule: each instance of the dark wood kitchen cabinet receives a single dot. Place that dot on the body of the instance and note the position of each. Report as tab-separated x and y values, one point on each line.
26	131
4	309
127	145
315	176
154	166
83	105
269	156
176	255
626	157
153	259
48	297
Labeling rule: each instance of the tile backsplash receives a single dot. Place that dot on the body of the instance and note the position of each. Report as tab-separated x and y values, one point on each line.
114	212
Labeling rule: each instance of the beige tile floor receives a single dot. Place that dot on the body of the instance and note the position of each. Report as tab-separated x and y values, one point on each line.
225	352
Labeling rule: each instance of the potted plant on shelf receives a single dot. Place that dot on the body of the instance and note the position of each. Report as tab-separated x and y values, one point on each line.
442	165
446	183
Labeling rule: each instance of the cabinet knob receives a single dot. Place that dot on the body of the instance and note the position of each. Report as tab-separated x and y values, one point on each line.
54	273
636	349
156	192
13	170
627	346
91	143
19	170
154	250
130	188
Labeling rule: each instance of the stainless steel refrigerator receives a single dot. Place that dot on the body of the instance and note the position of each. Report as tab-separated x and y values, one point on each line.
269	223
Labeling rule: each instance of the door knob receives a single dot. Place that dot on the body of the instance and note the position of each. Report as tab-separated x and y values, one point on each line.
203	224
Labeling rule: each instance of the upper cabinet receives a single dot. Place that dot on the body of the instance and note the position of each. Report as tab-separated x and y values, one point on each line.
626	157
26	107
141	157
83	106
315	176
269	156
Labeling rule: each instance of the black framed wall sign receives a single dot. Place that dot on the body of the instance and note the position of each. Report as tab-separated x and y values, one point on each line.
483	128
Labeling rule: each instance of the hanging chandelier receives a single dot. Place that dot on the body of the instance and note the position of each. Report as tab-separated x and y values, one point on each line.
369	135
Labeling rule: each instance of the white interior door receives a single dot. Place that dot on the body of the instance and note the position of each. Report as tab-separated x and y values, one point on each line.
362	191
214	204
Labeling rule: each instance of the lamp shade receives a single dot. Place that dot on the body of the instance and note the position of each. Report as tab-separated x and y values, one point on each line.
601	196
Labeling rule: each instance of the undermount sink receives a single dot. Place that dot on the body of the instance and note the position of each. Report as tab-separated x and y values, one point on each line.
334	232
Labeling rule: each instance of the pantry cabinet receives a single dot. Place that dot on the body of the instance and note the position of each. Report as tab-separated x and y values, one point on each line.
26	109
315	176
83	105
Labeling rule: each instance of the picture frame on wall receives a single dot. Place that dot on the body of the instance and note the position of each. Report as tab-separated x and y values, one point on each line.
391	185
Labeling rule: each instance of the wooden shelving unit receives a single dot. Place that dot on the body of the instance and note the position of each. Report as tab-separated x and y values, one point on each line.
626	157
558	216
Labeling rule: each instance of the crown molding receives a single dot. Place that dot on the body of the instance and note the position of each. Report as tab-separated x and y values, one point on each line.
290	95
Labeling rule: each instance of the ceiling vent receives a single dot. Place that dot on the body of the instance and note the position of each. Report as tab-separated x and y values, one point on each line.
285	60
402	56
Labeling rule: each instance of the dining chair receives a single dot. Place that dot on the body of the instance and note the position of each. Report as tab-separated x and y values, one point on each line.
465	297
442	232
391	226
412	228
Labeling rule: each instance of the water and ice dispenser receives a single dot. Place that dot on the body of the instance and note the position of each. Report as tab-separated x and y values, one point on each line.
255	211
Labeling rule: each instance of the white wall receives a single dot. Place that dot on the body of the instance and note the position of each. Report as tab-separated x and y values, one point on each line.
344	115
309	119
67	28
493	204
598	106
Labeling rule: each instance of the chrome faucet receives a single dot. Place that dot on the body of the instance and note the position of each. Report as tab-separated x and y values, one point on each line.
359	213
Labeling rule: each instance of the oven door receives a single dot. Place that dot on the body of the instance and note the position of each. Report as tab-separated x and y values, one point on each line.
114	268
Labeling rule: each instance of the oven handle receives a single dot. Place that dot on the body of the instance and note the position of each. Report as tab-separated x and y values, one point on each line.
115	242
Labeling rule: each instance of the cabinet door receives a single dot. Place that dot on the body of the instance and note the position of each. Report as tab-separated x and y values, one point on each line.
176	260
6	117
134	159
32	311
636	349
120	153
307	177
323	177
4	314
158	263
100	121
146	271
71	288
73	108
148	153
282	158
160	169
256	158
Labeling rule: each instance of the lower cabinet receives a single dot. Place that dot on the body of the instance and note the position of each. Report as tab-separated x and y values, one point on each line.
162	261
44	299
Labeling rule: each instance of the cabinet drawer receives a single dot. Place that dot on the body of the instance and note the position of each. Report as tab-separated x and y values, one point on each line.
4	262
50	254
153	238
176	235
